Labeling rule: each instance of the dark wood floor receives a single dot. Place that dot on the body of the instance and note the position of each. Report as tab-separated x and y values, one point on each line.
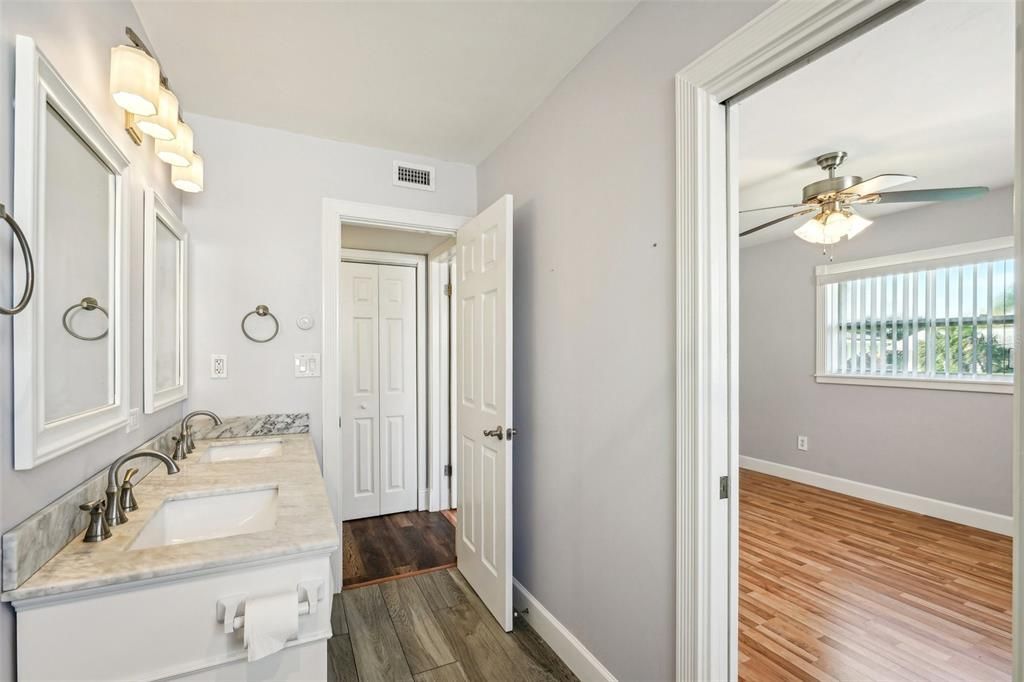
431	627
836	588
385	547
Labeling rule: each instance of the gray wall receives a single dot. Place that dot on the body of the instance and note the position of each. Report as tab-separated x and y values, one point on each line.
948	445
77	38
593	175
256	239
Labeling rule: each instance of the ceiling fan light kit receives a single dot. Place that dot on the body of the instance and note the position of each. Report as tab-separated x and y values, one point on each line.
832	199
831	225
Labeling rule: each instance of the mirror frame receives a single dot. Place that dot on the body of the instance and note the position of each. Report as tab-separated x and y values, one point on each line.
157	211
37	84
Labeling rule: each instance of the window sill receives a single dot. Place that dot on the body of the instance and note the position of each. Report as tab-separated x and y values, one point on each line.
970	385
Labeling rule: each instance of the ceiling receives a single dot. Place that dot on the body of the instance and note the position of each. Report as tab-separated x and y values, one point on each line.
929	93
448	80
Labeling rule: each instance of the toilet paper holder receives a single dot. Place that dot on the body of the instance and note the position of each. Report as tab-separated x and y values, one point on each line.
231	608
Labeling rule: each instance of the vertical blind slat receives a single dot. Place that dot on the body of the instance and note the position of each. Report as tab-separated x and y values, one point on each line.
988	340
974	322
960	321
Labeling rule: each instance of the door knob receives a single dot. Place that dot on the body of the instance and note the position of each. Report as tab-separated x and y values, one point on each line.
510	432
496	432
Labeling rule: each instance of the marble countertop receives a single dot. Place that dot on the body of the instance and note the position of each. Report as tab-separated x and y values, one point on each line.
304	523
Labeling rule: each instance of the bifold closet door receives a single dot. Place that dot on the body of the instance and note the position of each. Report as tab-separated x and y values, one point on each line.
378	389
360	397
397	296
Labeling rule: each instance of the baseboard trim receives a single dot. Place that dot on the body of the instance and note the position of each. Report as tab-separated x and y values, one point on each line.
562	642
968	516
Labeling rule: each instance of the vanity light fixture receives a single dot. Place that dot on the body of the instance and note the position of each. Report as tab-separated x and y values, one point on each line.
189	178
176	152
134	80
151	108
163	125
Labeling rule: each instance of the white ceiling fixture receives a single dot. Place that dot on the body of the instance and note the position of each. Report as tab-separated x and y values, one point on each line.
894	98
448	80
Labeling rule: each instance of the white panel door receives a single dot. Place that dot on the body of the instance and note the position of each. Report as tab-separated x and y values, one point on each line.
484	397
360	398
398	444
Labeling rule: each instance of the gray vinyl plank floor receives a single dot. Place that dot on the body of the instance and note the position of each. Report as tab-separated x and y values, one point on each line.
431	627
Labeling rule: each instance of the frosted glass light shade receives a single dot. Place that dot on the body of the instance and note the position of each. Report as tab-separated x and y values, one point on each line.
856	225
177	152
164	124
189	178
832	227
134	80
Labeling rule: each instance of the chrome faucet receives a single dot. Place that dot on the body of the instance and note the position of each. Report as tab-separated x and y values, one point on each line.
114	513
184	444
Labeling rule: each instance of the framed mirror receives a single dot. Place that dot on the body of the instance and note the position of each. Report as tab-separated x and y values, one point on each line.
70	344
166	306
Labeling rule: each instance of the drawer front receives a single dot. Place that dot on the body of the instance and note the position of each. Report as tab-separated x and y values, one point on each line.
157	630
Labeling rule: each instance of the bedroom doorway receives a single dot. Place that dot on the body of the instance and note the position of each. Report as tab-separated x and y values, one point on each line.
393	525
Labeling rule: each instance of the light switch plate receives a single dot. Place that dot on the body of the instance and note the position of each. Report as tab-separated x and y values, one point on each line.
307	365
133	420
218	367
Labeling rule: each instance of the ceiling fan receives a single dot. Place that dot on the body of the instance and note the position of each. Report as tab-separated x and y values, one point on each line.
832	200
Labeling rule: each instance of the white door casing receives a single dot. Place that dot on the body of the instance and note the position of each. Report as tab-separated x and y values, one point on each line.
484	391
706	316
396	287
378	389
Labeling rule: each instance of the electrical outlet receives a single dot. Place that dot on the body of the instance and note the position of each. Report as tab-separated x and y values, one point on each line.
133	420
801	443
307	365
218	367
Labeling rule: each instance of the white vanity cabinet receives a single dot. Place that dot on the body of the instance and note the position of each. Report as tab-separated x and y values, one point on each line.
160	628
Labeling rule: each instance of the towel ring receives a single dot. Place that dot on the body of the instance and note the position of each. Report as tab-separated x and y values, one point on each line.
87	303
30	270
262	311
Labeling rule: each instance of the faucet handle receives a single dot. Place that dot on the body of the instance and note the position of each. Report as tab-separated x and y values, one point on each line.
99	504
180	448
98	529
128	475
127	496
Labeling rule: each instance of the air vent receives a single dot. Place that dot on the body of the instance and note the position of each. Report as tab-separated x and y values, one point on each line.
414	175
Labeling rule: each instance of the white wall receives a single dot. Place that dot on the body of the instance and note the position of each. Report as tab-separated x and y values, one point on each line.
77	38
593	175
256	240
947	445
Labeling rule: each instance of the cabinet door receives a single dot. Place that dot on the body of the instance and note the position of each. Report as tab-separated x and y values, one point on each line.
398	442
360	396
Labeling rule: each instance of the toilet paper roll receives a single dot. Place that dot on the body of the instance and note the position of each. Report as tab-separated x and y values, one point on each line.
270	621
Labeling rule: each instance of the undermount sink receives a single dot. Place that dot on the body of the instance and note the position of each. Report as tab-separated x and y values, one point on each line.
234	451
217	515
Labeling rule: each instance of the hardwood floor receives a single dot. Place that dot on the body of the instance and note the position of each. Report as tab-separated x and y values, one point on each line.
431	627
836	588
385	547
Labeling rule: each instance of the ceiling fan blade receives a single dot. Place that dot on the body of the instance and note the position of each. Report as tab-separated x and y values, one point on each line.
768	208
777	220
937	194
878	184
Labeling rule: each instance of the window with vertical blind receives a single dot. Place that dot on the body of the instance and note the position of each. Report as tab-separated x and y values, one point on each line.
941	318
